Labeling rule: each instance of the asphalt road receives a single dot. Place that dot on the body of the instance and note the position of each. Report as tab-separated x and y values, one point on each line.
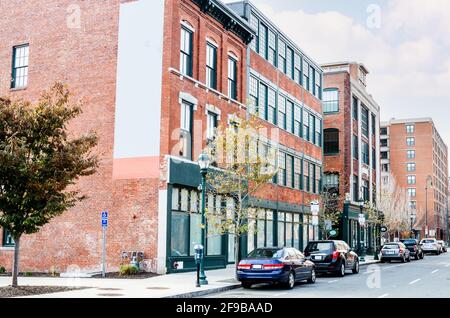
427	278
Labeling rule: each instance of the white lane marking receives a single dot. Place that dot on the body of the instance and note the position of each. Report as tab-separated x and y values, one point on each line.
415	281
435	271
383	296
333	281
392	266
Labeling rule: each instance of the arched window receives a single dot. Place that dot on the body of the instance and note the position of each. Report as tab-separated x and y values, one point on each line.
331	140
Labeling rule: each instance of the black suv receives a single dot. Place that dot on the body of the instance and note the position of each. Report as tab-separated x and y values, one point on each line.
414	248
332	256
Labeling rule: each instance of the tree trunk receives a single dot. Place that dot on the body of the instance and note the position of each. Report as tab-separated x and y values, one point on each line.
236	252
15	272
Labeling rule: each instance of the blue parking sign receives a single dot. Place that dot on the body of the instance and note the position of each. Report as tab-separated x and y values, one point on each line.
104	222
105	215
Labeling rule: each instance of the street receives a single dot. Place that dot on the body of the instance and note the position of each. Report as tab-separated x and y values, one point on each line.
427	278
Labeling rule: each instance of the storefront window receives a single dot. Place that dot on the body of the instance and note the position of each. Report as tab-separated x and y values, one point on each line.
214	240
305	230
261	228
196	221
297	231
289	230
251	231
281	230
180	226
269	229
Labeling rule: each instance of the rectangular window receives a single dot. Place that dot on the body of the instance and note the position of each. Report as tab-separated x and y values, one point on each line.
318	179
374	124
306	135
211	123
318	85
374	159
282	112
305	74
289	63
211	66
306	183
365	152
411	167
413	205
186	52
186	112
272	50
355	189
282	168
20	66
185	130
312	177
7	238
411	154
412	193
297	173
297	120
383	131
355	147
331	142
411	179
232	78
410	129
263	41
410	141
289	116
384	155
180	231
365	189
289	171
355	108
253	95
311	80
365	121
254	23
297	69
312	129
331	180
281	229
281	56
262	105
272	107
318	135
330	100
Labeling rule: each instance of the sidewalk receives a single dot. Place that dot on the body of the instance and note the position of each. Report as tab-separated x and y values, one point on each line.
165	286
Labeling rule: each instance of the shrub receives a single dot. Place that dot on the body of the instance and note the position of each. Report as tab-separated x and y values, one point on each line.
28	274
128	270
2	270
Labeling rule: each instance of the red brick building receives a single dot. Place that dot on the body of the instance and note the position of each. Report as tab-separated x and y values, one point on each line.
413	152
188	63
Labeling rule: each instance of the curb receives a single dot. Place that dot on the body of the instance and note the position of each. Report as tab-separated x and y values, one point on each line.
205	292
369	263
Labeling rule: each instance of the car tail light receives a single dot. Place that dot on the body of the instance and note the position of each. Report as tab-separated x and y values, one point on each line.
401	250
244	266
335	255
273	266
415	248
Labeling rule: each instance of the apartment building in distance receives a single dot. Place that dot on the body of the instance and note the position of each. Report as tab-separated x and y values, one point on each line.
413	152
351	147
193	65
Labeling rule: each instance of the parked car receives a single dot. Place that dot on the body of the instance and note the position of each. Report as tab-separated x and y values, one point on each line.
443	246
395	251
332	256
430	245
275	265
415	250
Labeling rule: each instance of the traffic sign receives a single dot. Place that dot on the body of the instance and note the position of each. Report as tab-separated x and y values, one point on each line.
104	222
105	215
362	219
315	208
333	233
383	229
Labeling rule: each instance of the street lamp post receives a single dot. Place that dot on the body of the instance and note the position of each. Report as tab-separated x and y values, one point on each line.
203	162
412	217
361	250
429	184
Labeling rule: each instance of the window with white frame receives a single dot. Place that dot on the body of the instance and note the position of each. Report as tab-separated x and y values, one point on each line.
411	166
281	55
282	112
410	129
297	69
20	66
232	78
272	107
211	66
211	125
186	51
410	141
411	179
412	192
330	100
272	48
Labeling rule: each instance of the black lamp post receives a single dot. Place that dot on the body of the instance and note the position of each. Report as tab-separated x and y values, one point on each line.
412	217
429	184
203	162
361	251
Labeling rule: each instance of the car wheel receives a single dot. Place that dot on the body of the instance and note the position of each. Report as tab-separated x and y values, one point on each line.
312	279
382	261
291	281
355	269
246	285
341	270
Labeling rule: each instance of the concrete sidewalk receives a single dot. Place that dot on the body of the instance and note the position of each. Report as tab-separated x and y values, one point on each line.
165	286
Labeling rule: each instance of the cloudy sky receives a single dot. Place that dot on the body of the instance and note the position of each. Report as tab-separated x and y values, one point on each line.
405	44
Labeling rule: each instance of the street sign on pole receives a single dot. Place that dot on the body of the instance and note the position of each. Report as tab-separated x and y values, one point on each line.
104	227
315	207
362	219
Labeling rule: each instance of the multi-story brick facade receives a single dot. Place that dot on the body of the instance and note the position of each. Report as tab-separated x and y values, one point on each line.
190	63
414	154
351	145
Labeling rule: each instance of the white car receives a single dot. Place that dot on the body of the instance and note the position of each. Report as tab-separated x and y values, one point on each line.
430	245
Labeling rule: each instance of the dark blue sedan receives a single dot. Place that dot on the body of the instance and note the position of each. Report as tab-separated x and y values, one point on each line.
275	265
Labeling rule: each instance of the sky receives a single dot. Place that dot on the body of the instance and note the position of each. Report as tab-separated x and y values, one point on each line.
405	44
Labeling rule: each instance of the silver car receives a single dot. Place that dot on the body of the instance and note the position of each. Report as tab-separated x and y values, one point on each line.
395	251
430	245
443	246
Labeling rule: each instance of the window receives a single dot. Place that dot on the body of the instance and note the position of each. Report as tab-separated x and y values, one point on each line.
282	168
186	110
211	123
318	137
410	129
330	100
311	79
297	69
374	124
355	147
297	173
411	167
289	171
331	141
384	155
289	63
318	179
306	184
305	74
186	52
211	66
254	23
289	116
413	205
374	159
185	130
411	179
365	121
297	120
330	180
383	131
412	193
312	177
410	141
20	66
7	238
281	56
281	112
365	153
253	95
385	167
232	78
383	143
318	87
262	105
271	107
312	128
365	190
411	154
355	189
306	135
263	41
272	50
355	108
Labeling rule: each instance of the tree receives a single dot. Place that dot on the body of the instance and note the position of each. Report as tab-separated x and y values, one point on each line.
244	166
331	212
40	163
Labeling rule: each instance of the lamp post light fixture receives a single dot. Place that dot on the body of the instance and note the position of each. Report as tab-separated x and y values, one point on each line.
428	185
203	162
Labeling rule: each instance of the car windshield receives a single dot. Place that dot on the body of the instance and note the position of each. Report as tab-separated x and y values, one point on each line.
266	253
390	247
428	241
320	247
409	242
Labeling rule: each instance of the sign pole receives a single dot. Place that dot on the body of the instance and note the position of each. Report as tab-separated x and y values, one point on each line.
104	252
